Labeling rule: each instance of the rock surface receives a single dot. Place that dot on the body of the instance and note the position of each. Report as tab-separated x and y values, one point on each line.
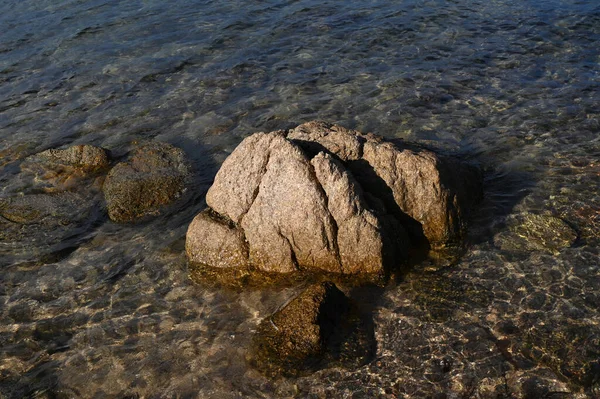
37	225
321	197
52	204
57	170
319	325
151	179
214	241
415	184
531	232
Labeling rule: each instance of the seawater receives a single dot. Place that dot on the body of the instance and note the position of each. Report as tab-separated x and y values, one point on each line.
511	85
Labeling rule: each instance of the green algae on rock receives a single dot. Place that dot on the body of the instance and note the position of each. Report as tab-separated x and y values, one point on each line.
532	232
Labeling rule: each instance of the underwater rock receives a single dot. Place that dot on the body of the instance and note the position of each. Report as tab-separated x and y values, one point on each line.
319	327
324	198
37	225
153	177
531	232
65	169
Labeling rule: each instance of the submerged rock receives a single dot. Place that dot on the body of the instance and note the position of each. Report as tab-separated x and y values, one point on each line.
531	232
324	198
154	177
320	326
65	169
36	225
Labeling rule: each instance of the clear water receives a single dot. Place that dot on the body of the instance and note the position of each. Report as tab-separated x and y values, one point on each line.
513	85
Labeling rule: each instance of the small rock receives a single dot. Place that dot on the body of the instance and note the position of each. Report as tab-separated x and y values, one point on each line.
318	327
154	177
531	232
40	224
65	169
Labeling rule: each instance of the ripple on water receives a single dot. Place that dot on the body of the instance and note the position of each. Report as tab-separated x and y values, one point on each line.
513	86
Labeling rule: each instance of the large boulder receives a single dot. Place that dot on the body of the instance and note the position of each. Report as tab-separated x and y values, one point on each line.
154	177
321	197
320	326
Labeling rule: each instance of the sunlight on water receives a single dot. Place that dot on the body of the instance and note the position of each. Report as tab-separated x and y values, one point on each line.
512	86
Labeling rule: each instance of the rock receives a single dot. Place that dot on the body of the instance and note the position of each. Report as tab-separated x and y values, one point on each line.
214	241
295	213
359	233
36	225
65	169
288	225
317	327
154	177
85	157
531	232
321	197
415	184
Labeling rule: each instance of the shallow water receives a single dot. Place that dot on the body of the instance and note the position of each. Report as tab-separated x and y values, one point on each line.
513	86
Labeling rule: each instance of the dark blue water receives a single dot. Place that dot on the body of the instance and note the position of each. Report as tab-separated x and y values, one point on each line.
511	85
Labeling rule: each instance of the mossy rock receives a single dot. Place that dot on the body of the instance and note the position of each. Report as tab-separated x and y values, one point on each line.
153	178
572	351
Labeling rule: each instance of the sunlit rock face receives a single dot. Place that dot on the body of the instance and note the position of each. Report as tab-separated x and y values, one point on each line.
324	198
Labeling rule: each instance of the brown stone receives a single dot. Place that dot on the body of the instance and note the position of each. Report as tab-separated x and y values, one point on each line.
318	326
214	241
153	178
321	197
58	170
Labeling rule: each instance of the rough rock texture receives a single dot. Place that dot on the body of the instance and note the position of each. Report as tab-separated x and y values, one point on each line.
65	169
319	325
321	197
86	157
213	241
154	177
414	184
357	226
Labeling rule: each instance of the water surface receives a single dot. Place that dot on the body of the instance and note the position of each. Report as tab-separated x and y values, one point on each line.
511	85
